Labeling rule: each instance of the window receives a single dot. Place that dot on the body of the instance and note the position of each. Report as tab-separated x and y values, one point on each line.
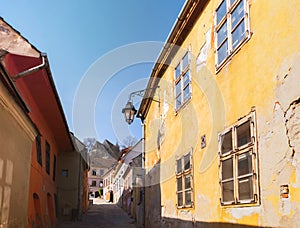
238	162
50	208
54	167
38	149
64	172
37	210
47	158
182	81
184	180
56	205
94	183
232	28
94	172
101	172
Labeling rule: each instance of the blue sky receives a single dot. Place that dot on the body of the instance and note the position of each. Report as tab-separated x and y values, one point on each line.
77	35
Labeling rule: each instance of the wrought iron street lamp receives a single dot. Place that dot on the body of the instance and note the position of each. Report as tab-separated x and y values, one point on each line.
129	112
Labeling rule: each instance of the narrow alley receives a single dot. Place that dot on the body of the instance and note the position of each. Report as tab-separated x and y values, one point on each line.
102	214
182	114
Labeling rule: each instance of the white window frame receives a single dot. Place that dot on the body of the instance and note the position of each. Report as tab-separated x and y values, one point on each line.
249	149
182	174
228	19
180	79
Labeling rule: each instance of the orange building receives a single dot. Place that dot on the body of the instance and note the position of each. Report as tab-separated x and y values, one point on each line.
38	90
29	69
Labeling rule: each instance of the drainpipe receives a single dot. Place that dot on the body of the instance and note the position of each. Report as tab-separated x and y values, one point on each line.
144	173
33	69
79	185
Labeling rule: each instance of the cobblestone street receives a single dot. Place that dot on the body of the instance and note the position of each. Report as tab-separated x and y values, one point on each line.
102	214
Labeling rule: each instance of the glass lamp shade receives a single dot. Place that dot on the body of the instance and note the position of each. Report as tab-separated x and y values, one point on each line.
129	112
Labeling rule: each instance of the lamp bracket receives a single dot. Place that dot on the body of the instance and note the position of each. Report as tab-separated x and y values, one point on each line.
141	93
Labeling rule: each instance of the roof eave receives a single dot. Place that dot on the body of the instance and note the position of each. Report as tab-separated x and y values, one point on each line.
182	27
58	101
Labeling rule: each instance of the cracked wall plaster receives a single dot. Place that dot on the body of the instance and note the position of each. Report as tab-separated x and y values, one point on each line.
288	96
293	134
288	83
279	147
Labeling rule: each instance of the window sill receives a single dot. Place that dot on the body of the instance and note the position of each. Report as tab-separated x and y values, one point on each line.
183	105
185	207
239	205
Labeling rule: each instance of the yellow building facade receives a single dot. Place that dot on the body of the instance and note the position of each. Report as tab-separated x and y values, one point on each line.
222	117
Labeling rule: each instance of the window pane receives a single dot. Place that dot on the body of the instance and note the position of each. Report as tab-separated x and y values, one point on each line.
38	149
227	169
178	101
237	14
187	182
185	61
222	34
243	134
238	34
54	168
64	172
221	11
222	52
179	184
178	88
179	166
226	141
245	188
186	78
186	93
244	164
187	162
180	199
227	191
188	198
177	71
47	157
101	172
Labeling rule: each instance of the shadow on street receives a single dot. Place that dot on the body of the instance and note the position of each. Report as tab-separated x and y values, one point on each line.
101	214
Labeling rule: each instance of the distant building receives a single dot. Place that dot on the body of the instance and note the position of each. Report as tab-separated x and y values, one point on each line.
108	183
72	182
123	182
118	182
95	181
133	195
102	157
